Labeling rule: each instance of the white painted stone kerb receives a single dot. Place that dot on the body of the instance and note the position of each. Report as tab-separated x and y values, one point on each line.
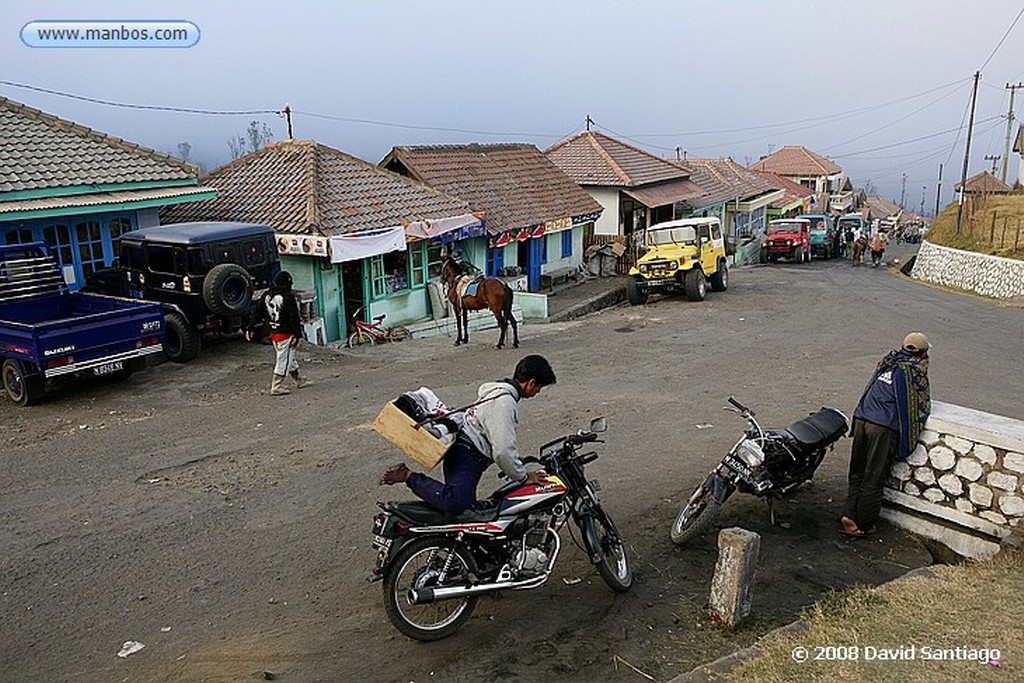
963	485
993	276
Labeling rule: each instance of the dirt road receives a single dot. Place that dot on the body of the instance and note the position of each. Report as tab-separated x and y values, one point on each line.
228	531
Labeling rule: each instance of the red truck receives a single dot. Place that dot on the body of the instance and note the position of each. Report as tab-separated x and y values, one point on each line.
787	238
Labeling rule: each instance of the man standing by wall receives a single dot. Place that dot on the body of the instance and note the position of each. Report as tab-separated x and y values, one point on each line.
888	419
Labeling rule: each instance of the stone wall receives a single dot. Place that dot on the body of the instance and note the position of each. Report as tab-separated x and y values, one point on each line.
994	276
964	483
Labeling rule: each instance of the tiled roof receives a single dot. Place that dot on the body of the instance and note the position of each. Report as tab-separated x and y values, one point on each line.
41	151
593	158
300	186
95	199
794	160
514	185
794	191
882	208
724	179
984	182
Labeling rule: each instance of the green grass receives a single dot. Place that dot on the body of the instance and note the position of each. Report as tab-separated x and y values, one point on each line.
976	605
976	226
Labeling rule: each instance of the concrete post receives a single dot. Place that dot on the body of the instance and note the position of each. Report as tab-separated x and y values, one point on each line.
732	584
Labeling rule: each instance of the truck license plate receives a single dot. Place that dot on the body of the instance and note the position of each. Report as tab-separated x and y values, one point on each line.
108	368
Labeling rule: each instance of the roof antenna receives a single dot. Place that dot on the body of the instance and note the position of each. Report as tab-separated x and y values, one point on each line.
589	121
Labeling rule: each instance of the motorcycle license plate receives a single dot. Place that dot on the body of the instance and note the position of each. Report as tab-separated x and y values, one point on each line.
738	467
108	368
381	542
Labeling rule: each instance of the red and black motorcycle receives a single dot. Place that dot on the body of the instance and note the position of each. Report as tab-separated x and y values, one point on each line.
435	565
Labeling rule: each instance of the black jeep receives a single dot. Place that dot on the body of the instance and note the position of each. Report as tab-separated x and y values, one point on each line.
204	274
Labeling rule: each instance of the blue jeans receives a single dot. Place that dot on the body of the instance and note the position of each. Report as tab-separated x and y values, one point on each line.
463	466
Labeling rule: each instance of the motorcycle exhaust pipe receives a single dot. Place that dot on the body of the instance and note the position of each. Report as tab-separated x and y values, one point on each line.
427	595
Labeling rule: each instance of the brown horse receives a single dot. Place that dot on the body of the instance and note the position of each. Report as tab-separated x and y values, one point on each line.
490	293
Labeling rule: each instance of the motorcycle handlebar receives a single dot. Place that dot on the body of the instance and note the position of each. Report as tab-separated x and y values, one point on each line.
740	406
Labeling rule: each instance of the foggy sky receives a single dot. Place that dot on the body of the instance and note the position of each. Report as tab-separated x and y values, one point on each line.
713	78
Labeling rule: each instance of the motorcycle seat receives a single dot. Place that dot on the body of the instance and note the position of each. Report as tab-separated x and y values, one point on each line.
819	429
422	513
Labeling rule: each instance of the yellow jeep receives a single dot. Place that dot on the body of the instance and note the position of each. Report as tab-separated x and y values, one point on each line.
682	255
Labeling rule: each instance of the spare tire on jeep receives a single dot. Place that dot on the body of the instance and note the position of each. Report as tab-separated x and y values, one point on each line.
227	289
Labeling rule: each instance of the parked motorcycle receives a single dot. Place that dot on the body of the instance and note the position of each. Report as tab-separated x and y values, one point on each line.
767	463
435	565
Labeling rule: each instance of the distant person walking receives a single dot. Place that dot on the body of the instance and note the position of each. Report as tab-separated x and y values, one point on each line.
280	311
877	248
886	424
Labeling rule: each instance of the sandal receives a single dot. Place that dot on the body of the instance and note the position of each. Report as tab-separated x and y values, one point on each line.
850	528
396	474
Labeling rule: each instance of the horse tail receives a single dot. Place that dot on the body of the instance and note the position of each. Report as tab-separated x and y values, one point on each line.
506	304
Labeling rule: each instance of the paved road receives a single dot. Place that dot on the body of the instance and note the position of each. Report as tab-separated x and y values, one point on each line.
228	531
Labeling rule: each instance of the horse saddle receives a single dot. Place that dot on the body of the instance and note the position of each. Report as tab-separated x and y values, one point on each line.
466	286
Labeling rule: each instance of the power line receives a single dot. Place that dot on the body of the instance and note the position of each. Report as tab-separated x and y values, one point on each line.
1003	39
409	126
151	107
825	118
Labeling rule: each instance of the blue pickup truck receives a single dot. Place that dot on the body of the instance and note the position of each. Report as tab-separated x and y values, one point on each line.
47	331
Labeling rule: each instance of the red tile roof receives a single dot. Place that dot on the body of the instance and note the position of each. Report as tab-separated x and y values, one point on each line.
592	158
513	184
794	191
41	151
724	179
300	186
794	160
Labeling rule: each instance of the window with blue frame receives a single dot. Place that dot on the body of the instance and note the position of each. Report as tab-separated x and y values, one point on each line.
80	247
495	260
566	243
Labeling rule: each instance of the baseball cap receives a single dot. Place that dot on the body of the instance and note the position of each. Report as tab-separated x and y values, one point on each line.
915	342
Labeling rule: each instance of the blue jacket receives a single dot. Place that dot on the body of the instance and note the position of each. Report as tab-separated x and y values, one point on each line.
887	402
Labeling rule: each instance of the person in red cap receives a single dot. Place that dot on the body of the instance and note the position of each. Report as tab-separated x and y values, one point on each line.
888	419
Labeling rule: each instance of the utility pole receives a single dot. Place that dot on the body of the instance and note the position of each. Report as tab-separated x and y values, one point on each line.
903	192
288	118
924	188
1009	128
993	159
967	154
938	191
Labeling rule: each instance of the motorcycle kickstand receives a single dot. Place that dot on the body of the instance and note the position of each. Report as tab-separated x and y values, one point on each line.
771	511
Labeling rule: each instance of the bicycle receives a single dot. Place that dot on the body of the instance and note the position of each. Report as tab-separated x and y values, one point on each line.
374	332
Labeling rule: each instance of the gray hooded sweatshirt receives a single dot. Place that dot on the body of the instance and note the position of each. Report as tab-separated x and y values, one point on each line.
491	426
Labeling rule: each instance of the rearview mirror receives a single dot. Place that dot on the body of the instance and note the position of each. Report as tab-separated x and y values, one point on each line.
599	424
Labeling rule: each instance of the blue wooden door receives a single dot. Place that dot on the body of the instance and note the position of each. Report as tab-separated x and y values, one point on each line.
533	262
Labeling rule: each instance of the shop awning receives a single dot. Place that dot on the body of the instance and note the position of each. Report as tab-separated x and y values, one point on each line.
359	245
665	193
431	228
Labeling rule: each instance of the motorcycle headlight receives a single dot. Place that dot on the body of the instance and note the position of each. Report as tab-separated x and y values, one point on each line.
749	452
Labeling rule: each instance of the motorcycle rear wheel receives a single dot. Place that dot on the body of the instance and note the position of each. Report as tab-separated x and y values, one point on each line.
418	565
695	516
613	565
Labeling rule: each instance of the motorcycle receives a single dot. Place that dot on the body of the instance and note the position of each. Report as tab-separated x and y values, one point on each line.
768	463
434	566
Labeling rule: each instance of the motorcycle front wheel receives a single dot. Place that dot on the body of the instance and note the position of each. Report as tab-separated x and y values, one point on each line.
428	563
600	533
695	517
